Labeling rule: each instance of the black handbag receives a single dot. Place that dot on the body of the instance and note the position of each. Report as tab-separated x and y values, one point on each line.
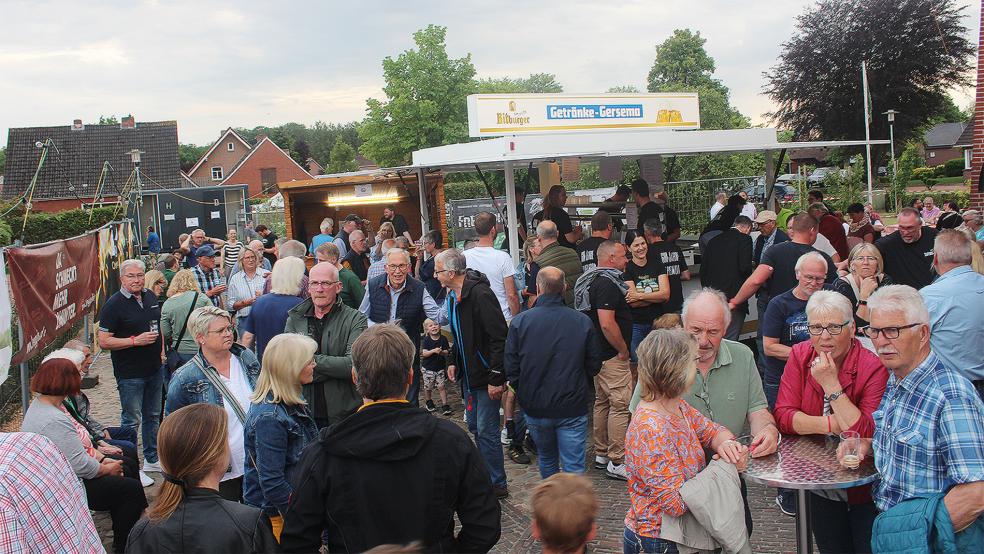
173	359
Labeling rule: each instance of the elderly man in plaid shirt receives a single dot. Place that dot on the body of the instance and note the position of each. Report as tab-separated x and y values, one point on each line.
929	428
209	277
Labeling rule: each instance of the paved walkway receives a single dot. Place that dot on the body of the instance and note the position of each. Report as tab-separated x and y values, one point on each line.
774	532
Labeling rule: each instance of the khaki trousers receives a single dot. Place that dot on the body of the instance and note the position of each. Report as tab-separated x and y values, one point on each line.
613	390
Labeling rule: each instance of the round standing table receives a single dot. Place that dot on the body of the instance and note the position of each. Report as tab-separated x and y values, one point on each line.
804	463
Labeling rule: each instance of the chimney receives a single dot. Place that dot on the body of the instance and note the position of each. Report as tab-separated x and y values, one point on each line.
128	123
77	125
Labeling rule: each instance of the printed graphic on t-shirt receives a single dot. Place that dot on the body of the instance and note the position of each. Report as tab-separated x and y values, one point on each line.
647	283
797	328
671	259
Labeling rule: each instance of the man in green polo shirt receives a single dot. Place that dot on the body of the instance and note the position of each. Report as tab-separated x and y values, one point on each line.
727	389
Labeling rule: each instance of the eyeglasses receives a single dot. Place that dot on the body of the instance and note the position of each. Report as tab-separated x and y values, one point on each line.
814	279
223	331
442	271
133	275
866	259
832	329
887	332
321	284
397	267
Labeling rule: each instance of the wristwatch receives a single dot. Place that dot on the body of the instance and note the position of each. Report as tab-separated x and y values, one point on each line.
831	397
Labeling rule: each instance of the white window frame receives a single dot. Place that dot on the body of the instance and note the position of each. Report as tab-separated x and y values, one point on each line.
932	153
968	157
217	173
231	147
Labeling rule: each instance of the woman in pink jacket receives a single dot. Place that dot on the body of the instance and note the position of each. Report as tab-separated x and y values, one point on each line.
832	384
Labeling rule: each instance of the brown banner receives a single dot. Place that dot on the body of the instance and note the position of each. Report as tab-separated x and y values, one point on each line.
53	287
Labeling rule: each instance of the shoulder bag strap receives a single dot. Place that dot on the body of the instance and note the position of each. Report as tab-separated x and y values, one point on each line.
185	326
214	378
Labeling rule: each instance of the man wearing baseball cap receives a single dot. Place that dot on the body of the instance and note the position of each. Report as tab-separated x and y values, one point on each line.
349	224
769	233
209	277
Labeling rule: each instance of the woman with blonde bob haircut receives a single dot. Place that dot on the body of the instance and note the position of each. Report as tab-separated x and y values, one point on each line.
665	441
279	425
188	514
866	274
183	296
155	282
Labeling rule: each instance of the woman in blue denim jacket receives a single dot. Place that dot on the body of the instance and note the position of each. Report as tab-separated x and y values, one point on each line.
220	364
279	424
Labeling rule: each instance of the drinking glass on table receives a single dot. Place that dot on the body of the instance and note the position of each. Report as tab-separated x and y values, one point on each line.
851	448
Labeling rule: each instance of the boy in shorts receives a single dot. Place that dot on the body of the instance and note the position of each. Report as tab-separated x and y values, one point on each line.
434	351
564	510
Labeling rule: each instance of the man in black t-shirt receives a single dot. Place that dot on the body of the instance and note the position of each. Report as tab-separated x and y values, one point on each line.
647	209
269	243
399	223
601	230
612	319
908	254
129	326
672	258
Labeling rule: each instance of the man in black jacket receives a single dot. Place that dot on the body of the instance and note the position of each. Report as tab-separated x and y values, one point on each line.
390	473
769	234
552	353
725	265
479	331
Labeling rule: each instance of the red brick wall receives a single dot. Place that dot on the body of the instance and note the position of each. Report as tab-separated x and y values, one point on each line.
976	196
943	155
266	155
220	157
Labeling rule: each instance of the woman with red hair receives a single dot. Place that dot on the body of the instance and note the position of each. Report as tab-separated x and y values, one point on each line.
106	486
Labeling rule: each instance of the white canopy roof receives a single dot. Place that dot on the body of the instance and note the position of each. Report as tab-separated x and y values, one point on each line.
493	153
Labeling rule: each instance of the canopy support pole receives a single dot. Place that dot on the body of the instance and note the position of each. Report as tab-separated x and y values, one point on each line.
511	216
424	208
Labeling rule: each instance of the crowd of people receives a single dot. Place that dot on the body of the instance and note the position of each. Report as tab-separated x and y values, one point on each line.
288	408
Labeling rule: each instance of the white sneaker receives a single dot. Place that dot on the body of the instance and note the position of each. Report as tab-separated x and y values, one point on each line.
146	480
504	437
616	471
601	462
152	467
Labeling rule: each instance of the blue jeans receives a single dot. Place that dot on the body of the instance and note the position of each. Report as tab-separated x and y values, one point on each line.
639	332
634	544
770	384
141	400
560	443
483	422
122	434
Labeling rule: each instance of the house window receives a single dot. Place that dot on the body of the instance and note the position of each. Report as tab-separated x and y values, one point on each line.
217	173
968	154
932	154
268	176
231	147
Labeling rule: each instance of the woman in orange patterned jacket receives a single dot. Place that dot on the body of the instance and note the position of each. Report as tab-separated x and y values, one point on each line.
665	442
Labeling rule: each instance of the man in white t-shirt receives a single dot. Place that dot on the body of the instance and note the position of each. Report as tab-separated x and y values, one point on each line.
495	264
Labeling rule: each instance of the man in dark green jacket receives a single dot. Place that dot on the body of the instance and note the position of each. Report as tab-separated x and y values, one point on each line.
553	254
334	326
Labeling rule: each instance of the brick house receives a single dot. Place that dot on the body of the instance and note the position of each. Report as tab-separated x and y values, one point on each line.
75	161
232	161
940	143
977	156
965	143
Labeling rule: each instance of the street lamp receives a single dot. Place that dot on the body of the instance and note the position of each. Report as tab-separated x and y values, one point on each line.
891	138
135	158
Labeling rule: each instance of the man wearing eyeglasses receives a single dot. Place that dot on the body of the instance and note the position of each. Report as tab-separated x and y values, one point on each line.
334	326
929	427
398	298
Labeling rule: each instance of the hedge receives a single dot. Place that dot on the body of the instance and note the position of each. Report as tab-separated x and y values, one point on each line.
45	227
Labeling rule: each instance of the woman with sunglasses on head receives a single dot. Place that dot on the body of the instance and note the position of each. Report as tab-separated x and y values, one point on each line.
189	515
832	385
222	373
865	275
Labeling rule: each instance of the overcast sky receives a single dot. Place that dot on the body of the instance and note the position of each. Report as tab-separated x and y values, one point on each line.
214	65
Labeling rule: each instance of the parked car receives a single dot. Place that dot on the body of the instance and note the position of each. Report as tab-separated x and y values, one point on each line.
787	178
819	174
756	192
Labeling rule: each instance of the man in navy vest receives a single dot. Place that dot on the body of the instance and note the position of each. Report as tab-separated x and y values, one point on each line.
398	298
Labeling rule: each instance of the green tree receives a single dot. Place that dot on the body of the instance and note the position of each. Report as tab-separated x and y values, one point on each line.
536	82
108	120
342	158
682	65
303	151
425	101
915	51
189	155
624	89
3	159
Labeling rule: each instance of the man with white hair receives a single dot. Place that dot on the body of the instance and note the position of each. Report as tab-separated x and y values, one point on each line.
956	305
929	427
720	199
191	243
326	226
357	258
727	388
129	324
268	314
396	297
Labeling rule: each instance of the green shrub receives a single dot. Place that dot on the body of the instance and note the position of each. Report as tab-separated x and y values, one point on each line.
923	173
953	168
45	227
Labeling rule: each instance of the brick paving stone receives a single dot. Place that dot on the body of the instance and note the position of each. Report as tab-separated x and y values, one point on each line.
774	532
